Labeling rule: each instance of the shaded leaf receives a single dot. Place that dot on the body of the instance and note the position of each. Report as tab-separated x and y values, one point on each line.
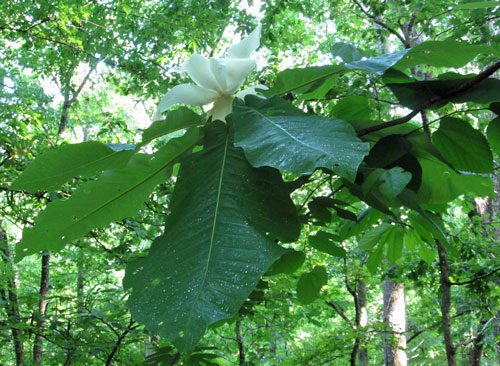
493	134
325	242
374	236
288	263
463	146
310	284
175	120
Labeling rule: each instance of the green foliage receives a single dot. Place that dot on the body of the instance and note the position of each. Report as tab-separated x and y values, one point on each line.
324	155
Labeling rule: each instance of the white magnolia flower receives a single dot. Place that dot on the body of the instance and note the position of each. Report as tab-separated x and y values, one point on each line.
217	80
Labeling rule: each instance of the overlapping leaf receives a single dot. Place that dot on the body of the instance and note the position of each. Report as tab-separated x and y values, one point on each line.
274	133
115	195
55	167
215	246
463	146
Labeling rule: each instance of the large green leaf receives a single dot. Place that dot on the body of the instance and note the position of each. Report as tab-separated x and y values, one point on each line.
463	146
441	184
215	246
386	184
175	120
52	169
117	194
293	79
447	53
378	64
493	133
274	133
412	94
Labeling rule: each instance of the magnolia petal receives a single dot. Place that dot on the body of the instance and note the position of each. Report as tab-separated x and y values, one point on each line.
250	91
189	94
219	71
222	107
246	46
198	68
237	69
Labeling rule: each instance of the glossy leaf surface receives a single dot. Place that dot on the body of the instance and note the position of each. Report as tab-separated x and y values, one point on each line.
215	247
55	167
274	133
116	195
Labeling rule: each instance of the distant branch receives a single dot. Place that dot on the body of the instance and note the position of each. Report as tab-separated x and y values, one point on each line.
339	311
476	278
382	24
470	83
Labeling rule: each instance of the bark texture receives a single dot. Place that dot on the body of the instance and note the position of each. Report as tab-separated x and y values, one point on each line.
395	316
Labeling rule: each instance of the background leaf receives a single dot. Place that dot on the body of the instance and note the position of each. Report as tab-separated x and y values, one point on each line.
310	284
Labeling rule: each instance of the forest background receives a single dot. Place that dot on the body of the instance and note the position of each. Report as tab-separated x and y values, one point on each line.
397	257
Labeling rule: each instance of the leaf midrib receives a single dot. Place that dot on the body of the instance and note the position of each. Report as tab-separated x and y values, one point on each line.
117	197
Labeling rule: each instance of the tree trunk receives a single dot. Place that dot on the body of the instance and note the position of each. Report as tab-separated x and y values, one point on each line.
445	305
395	316
9	297
477	347
362	320
239	338
42	309
80	282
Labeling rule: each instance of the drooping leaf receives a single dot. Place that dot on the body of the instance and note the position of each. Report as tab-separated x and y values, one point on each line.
215	247
493	134
175	120
412	94
352	107
117	194
288	263
387	151
274	133
477	5
463	146
394	242
374	236
347	52
426	254
52	169
437	53
441	184
378	64
310	284
386	183
292	79
325	242
375	258
411	239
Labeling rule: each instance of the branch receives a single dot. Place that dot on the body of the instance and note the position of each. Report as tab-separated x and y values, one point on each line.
434	325
462	344
475	279
382	24
119	341
340	312
470	83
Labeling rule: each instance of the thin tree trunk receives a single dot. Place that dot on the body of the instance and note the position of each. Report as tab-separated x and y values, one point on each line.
446	305
362	320
477	347
42	309
395	316
9	297
241	348
80	282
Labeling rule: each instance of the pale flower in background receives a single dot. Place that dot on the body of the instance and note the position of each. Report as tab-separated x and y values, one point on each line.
217	80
